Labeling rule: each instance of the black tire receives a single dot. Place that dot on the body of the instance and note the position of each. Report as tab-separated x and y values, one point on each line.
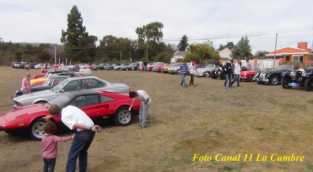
36	129
123	116
284	83
274	80
308	84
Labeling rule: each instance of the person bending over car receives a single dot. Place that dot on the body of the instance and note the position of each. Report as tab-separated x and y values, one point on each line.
77	120
144	105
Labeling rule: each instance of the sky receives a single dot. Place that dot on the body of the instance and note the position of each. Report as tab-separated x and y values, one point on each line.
220	21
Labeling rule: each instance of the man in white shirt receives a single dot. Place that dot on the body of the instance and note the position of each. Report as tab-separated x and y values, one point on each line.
237	69
145	100
77	120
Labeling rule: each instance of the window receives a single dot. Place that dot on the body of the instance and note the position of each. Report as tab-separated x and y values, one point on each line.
297	60
92	83
81	101
73	86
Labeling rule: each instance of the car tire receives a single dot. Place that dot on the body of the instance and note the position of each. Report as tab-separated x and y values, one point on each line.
36	129
274	80
308	84
284	83
123	116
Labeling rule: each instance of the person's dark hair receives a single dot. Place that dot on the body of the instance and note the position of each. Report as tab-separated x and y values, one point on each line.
133	94
50	127
54	109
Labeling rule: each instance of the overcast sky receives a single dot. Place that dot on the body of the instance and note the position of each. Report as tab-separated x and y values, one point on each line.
218	20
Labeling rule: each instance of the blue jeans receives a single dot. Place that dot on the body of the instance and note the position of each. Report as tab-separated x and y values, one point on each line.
143	114
183	80
48	165
236	78
228	79
79	148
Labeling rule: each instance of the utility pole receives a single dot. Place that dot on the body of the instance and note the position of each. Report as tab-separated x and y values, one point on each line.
55	54
275	49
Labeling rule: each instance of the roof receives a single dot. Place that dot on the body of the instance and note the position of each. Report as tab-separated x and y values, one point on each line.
289	51
64	98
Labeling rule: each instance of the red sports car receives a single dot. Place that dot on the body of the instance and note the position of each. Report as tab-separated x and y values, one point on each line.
247	75
96	104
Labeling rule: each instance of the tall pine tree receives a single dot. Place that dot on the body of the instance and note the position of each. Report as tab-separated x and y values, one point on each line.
183	44
78	45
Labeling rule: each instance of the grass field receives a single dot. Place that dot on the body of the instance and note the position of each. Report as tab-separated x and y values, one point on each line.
204	119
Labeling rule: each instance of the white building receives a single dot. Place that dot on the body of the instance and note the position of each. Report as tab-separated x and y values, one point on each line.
225	54
177	56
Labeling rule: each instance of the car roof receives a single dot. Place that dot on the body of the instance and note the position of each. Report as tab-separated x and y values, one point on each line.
84	77
63	99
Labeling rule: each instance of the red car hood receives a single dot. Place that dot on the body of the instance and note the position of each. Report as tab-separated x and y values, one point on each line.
31	109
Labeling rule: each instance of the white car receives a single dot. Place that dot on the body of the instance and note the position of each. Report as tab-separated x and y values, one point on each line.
205	70
84	70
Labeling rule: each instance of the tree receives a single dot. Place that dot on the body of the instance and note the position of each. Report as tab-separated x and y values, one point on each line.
242	50
149	36
229	45
183	44
78	45
116	48
261	54
201	52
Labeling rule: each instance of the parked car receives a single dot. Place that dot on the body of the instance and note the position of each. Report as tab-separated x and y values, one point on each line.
165	68
273	76
116	66
300	78
123	67
70	85
205	70
84	70
217	73
107	66
149	67
52	81
173	69
158	67
246	74
96	104
133	66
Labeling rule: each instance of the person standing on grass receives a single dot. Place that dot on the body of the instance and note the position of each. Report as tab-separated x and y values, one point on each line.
237	69
192	73
77	120
227	69
145	102
26	86
183	70
49	146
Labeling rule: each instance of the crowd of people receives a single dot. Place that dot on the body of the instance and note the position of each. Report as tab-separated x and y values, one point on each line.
231	71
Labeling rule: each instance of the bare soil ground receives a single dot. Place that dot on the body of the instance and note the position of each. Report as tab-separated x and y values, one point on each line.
203	119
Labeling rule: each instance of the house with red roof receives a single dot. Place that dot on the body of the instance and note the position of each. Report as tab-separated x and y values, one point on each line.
301	55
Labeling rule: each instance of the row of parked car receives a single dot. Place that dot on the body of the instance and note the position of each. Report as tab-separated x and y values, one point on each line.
28	65
97	97
288	77
284	75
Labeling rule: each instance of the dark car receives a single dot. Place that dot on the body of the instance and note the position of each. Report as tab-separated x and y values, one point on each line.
273	76
217	72
300	78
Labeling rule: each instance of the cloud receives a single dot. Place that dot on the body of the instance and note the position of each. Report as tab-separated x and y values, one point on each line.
219	20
